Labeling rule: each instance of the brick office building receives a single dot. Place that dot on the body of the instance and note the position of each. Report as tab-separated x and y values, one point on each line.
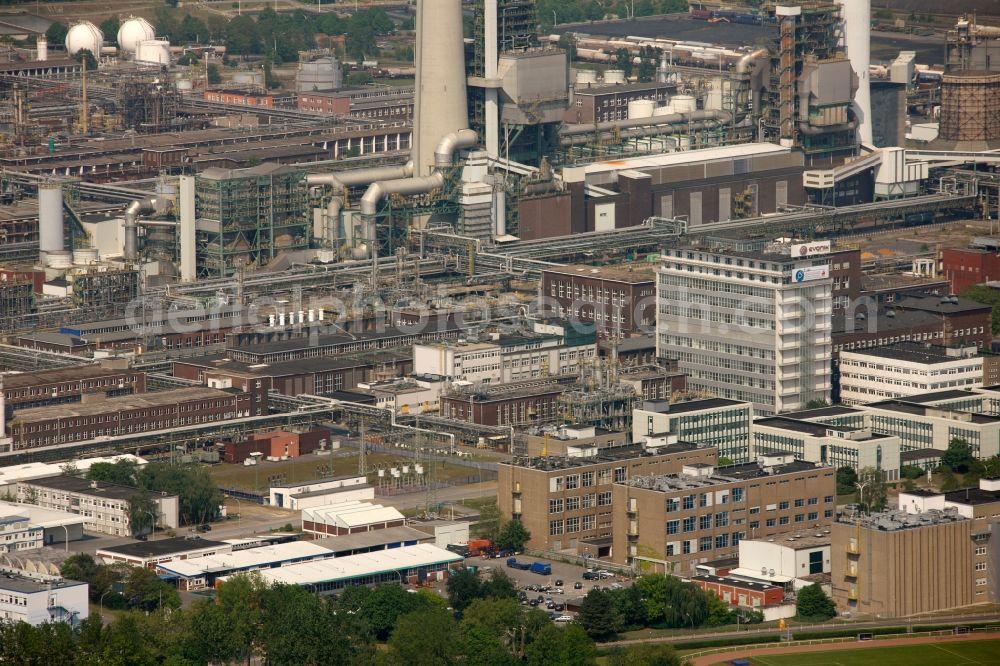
148	412
567	502
965	267
514	404
617	299
67	385
674	522
940	321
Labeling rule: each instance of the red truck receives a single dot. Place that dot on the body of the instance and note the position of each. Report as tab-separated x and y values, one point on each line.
477	546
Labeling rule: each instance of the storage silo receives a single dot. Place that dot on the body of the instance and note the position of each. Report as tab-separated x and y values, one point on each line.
857	18
50	218
319	74
641	108
614	77
154	51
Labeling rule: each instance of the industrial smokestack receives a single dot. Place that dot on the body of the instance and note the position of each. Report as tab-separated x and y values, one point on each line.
857	18
440	107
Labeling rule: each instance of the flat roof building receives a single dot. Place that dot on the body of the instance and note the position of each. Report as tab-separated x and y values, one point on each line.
148	554
905	369
718	422
200	572
36	602
749	326
896	564
673	522
103	506
839	446
566	502
408	564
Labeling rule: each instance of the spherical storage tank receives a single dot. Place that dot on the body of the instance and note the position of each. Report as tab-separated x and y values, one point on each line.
641	108
84	35
153	51
134	31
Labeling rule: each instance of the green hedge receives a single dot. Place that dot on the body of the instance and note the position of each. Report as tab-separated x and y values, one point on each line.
725	642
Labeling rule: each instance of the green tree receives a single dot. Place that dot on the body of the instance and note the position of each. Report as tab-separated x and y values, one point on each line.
109	27
599	616
145	591
56	33
463	588
628	601
425	638
243	37
846	478
87	59
646	654
566	646
214	76
817	404
911	472
959	457
623	61
188	58
719	612
490	522
872	490
142	513
513	536
498	586
567	42
813	605
124	472
360	79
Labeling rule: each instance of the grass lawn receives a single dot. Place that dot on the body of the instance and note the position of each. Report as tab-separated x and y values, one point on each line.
950	653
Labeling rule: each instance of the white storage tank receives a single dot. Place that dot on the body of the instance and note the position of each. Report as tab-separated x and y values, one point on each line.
61	259
585	77
248	78
665	110
614	77
133	32
641	108
50	218
155	51
85	256
683	103
184	84
84	36
319	74
42	48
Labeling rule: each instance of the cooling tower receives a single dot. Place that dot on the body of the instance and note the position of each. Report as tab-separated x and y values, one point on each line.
440	106
857	17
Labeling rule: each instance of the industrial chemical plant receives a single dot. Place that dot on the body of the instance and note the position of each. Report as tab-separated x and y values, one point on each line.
662	256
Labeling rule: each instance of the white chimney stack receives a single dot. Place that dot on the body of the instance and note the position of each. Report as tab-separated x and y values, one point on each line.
857	18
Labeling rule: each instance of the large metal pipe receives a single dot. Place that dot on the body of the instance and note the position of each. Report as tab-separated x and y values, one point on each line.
444	154
568	133
132	212
358	177
444	157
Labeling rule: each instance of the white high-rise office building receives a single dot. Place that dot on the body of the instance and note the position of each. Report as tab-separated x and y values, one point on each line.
753	326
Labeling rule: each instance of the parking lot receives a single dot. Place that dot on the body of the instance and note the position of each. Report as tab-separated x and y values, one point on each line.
569	574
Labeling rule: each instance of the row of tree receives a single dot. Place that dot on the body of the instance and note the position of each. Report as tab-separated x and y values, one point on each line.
554	12
287	625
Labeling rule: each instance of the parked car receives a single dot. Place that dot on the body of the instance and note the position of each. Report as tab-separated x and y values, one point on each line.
589	575
559	582
564	618
560	607
533	603
551	605
577	585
